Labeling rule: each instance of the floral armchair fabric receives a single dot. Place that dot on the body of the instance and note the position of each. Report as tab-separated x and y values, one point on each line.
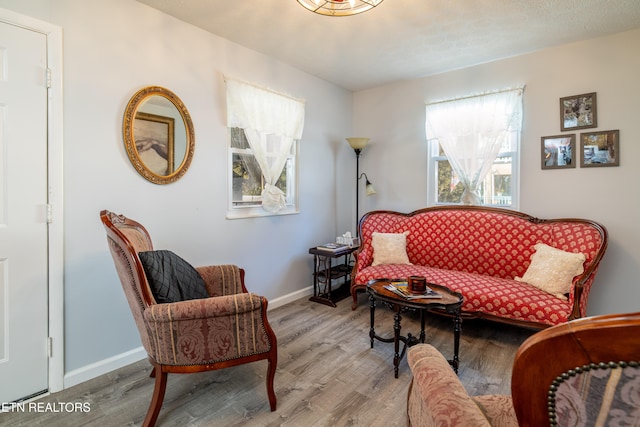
438	398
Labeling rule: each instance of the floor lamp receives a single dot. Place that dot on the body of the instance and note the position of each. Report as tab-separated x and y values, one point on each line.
358	145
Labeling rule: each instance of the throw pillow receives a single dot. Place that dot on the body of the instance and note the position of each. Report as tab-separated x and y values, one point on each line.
553	270
171	278
389	248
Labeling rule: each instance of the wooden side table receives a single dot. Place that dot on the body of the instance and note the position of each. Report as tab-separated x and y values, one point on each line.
326	270
451	302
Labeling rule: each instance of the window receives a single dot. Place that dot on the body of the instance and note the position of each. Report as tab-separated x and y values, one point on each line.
499	187
473	149
247	180
265	128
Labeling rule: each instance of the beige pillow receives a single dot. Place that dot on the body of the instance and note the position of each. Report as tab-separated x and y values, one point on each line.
553	270
389	248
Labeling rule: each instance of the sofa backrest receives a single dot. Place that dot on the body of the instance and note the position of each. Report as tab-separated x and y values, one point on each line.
489	241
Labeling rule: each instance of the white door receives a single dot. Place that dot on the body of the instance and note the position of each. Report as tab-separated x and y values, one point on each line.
23	213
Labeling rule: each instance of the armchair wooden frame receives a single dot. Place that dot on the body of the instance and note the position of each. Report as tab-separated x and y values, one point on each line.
126	239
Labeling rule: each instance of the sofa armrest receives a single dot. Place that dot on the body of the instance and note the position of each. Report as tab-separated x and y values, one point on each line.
436	395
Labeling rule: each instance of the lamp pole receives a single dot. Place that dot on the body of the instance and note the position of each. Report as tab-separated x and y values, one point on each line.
357	143
358	151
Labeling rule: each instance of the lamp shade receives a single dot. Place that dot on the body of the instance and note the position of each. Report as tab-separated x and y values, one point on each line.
368	185
370	191
357	143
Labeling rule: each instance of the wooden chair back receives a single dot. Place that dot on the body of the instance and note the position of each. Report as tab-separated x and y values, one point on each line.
126	239
578	354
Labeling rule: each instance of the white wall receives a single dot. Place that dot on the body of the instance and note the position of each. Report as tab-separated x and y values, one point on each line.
112	48
393	116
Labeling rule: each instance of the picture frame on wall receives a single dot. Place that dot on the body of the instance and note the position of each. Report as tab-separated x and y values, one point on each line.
578	112
600	148
154	139
558	151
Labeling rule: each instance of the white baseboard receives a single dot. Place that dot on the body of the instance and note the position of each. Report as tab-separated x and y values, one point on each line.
286	299
104	366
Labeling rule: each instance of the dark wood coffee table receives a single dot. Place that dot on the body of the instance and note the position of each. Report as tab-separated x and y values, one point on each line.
451	302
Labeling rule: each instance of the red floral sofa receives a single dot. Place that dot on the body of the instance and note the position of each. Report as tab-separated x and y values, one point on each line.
485	254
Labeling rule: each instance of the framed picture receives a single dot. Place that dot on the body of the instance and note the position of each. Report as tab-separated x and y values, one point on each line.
578	112
558	151
154	137
600	148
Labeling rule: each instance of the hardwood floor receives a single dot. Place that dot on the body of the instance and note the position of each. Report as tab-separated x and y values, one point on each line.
327	376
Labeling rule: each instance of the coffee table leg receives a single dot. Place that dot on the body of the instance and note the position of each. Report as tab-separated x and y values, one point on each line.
422	334
396	340
372	310
457	327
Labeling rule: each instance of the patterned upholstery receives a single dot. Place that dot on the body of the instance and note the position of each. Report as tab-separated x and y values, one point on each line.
207	330
478	252
227	328
222	280
438	398
608	392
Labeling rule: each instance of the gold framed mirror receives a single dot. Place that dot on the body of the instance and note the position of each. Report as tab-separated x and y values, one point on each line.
158	135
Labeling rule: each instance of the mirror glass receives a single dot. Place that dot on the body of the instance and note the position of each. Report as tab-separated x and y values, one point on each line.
158	135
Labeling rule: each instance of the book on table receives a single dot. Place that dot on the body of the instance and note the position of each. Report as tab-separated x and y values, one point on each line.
332	247
402	289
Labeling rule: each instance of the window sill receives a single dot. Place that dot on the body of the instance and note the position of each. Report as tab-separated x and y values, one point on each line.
257	212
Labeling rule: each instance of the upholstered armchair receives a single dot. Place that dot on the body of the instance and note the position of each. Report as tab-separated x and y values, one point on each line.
222	326
437	397
582	373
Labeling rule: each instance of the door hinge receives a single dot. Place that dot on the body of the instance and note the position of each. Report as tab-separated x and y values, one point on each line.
49	213
48	78
49	347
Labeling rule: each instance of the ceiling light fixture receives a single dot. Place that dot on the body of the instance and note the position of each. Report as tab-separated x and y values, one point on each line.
339	7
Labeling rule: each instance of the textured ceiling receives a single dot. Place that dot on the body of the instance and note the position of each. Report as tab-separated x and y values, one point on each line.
403	39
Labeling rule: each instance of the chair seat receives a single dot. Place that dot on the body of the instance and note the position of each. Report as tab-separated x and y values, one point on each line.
495	296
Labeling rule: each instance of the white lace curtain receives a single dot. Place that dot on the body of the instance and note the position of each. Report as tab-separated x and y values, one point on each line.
471	131
271	122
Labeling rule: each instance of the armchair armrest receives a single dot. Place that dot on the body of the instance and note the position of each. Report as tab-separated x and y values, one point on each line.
204	308
436	395
208	330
